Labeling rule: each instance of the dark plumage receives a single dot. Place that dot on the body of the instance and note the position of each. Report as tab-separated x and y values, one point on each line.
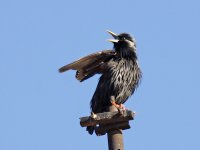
120	72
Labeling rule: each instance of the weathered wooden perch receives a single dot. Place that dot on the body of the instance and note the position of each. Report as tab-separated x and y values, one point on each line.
107	121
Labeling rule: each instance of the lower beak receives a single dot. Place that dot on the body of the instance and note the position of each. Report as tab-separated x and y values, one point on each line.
113	40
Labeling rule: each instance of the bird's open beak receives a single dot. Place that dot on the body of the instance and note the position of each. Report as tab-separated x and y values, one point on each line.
115	40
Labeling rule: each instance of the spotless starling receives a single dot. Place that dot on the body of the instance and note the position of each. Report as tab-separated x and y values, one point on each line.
119	69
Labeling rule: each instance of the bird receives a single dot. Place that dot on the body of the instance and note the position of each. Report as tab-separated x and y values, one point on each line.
119	69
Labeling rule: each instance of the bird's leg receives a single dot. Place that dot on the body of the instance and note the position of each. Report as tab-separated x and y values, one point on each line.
120	107
112	100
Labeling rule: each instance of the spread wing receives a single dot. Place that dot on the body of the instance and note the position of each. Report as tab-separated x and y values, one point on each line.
89	65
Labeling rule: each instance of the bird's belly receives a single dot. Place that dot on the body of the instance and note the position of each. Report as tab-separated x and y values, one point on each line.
123	85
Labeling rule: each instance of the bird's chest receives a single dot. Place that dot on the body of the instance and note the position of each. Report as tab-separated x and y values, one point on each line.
121	73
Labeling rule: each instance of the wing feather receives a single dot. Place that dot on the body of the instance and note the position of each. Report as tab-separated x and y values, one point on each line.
89	65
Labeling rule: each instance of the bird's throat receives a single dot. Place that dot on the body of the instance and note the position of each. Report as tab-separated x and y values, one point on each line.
127	53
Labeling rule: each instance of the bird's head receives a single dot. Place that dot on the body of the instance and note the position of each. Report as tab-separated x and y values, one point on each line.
123	41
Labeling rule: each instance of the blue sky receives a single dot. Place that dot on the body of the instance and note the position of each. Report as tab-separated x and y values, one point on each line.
40	108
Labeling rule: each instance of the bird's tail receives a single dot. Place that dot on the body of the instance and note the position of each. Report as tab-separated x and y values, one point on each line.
90	129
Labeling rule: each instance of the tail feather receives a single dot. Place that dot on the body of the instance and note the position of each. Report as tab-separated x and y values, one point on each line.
90	129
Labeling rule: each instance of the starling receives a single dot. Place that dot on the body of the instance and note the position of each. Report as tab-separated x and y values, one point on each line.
120	73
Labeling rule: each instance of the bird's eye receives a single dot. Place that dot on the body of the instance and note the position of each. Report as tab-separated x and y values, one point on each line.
123	38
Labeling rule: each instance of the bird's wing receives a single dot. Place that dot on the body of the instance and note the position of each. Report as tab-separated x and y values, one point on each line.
89	65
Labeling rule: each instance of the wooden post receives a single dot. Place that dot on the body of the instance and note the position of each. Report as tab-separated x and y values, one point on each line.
115	137
111	122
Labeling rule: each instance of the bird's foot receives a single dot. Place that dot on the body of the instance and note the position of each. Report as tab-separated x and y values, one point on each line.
120	107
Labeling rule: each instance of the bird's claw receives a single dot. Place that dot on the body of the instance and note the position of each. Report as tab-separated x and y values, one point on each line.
120	107
93	115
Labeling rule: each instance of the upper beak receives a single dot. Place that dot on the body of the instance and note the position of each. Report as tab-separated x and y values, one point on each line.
114	35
